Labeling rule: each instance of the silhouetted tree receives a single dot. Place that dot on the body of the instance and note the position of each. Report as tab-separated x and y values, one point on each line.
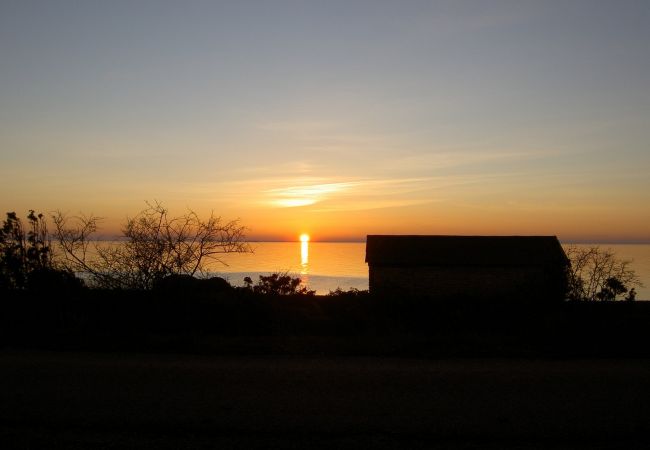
597	274
23	250
156	246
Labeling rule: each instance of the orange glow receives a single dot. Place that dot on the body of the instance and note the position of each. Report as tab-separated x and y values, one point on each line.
568	218
304	237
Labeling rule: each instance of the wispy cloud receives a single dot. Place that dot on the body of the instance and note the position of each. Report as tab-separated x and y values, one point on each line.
304	195
352	194
434	177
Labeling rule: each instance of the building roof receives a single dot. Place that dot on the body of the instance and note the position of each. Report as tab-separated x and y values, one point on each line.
464	250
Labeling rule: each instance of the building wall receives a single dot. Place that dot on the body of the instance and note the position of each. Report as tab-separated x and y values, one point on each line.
464	282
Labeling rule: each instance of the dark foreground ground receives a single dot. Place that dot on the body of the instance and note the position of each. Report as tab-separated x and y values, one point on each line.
95	400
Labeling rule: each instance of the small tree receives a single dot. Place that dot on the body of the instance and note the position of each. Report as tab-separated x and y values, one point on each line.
597	274
23	251
156	245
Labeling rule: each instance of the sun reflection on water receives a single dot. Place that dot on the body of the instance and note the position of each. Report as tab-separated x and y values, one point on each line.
304	254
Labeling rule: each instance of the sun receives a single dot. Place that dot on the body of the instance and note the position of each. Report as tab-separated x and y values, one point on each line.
304	237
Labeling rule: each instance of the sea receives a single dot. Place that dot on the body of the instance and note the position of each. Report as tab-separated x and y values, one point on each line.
326	266
322	266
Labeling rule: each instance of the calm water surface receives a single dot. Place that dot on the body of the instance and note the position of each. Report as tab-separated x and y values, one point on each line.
324	266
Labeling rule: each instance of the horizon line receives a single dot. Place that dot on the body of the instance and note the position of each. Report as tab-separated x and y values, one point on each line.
359	241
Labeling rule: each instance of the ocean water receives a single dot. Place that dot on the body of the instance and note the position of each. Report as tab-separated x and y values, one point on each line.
324	266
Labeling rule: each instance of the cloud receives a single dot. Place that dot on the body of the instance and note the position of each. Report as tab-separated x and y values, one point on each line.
412	179
351	194
306	194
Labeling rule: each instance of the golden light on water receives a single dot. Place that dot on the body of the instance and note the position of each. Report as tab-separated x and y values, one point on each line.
304	253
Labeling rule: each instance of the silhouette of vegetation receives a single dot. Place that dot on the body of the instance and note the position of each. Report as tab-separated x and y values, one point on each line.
596	274
613	287
156	245
26	260
278	284
631	295
185	313
352	292
152	292
23	250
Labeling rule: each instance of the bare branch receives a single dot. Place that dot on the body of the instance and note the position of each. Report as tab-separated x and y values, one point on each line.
156	246
593	270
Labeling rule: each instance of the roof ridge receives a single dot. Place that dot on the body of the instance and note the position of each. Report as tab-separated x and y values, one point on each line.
463	250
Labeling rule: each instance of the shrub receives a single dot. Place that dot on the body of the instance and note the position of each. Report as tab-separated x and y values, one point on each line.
278	284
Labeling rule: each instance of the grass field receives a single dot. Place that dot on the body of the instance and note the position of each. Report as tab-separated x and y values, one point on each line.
94	400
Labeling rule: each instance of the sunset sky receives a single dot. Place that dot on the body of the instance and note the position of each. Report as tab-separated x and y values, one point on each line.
337	119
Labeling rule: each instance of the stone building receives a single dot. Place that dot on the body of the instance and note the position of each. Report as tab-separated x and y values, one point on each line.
526	268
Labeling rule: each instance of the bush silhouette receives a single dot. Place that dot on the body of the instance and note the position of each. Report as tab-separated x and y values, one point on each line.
279	284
